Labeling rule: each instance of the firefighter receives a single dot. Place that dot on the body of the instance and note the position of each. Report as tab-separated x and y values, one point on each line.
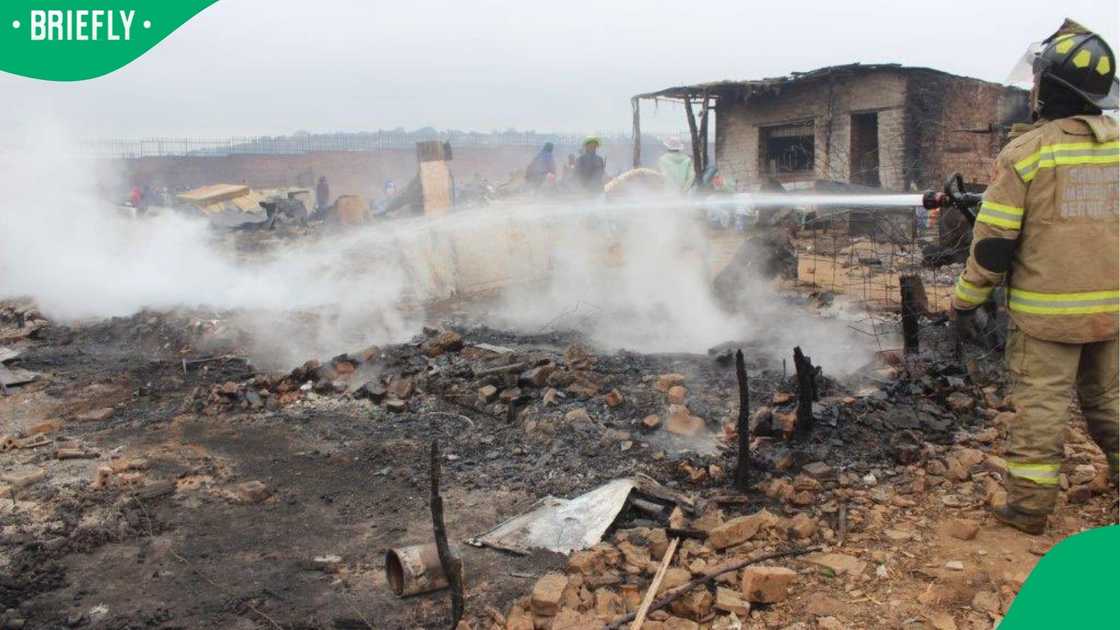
1049	226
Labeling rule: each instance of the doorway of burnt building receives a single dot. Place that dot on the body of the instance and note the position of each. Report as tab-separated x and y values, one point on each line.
864	158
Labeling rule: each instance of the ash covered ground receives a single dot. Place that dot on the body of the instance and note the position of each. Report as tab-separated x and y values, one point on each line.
156	477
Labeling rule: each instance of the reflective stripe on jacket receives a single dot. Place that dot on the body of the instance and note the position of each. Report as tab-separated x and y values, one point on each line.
1050	226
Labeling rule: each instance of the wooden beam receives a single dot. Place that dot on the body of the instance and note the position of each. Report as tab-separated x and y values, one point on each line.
703	134
694	135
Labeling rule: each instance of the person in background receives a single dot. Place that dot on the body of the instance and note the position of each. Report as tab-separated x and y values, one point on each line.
542	166
135	196
322	193
569	168
676	168
590	166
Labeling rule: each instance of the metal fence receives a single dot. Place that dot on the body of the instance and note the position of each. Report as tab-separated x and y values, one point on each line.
306	143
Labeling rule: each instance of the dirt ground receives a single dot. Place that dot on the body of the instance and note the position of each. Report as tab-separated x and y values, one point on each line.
178	535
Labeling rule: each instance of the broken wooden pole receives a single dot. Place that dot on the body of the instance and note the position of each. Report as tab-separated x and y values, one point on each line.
452	564
651	592
911	309
694	134
742	467
806	391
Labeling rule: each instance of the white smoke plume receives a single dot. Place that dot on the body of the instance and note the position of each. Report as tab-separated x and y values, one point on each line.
63	243
630	275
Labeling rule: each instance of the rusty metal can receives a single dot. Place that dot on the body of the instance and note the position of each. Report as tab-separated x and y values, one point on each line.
414	569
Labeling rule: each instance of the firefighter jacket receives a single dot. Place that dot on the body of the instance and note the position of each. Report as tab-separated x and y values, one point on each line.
1049	226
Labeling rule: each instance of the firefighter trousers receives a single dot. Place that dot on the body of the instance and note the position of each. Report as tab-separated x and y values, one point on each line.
1043	373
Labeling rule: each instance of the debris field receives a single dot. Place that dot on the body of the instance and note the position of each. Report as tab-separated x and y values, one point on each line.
145	482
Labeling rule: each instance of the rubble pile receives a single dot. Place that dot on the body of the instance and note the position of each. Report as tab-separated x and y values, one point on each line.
882	506
869	528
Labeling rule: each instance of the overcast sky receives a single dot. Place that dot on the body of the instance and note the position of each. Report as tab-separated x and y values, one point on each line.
249	67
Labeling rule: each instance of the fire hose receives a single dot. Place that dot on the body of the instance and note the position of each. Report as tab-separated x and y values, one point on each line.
990	336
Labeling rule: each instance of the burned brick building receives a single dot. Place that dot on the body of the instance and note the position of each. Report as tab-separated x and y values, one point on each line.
887	126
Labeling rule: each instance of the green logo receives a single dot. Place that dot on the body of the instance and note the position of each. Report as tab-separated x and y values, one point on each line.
1072	586
71	40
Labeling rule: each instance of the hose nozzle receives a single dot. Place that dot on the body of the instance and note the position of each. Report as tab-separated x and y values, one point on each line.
933	199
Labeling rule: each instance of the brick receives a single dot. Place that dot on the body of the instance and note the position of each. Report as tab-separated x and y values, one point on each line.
766	585
608	604
614	398
577	416
536	377
838	563
681	422
443	342
695	605
818	470
401	388
667	381
518	619
961	528
252	492
487	393
47	426
631	597
741	529
95	415
802	525
23	478
678	623
730	601
674	577
545	600
569	619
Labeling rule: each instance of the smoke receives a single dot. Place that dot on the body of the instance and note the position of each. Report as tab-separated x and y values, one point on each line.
64	244
638	275
631	274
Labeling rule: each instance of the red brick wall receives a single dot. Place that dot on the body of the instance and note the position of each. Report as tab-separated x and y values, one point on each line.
945	115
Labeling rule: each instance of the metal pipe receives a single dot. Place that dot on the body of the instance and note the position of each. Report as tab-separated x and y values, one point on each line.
414	569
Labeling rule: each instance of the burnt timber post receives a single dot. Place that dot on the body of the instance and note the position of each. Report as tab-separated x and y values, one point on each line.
743	466
806	391
703	134
910	287
694	135
452	564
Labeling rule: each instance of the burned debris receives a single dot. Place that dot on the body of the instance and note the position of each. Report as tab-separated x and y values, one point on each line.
489	407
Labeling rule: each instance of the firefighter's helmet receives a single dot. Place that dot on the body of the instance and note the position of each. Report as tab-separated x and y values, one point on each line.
1083	63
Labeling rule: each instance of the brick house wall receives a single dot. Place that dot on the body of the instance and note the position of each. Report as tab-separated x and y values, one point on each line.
948	118
918	111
